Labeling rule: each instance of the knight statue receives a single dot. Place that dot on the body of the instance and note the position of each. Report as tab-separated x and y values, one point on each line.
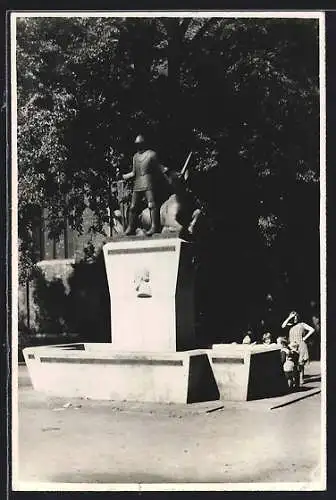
171	206
146	174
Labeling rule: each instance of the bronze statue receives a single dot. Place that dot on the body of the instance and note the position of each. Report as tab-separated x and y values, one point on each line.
146	171
177	212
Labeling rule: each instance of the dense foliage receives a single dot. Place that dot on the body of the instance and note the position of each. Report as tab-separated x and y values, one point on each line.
242	94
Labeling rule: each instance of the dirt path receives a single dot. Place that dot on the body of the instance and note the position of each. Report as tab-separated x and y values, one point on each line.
97	443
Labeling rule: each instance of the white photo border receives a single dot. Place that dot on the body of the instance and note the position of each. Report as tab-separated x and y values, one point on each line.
18	485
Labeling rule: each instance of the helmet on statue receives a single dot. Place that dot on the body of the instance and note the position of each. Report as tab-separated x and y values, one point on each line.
139	139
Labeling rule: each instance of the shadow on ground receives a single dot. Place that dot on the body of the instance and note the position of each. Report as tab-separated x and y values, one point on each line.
312	378
304	389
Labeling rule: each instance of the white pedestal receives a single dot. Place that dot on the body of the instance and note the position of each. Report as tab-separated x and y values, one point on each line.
247	372
96	371
151	284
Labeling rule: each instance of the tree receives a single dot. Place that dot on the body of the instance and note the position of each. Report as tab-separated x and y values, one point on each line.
241	93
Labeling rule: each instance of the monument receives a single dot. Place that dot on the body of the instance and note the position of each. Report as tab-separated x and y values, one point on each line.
154	354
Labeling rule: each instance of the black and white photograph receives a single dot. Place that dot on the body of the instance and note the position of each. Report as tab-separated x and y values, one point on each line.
168	250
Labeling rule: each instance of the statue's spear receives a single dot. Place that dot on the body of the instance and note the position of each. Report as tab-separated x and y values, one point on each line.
186	164
197	200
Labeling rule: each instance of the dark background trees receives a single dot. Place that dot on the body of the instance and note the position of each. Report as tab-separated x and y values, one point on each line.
242	94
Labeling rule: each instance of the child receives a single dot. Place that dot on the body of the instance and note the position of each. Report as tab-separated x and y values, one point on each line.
248	338
267	339
295	352
289	359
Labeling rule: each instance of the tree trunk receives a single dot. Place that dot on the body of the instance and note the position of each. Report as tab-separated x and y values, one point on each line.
174	101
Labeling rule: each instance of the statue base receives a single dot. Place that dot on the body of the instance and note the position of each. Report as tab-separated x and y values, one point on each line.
226	372
152	289
247	372
154	354
98	372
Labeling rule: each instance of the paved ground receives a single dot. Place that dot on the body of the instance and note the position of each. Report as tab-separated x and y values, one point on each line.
100	442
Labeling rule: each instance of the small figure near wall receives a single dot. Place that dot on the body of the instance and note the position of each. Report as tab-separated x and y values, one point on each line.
299	332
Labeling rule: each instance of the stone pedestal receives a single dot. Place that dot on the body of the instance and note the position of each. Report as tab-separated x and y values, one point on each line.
247	372
96	371
153	355
151	284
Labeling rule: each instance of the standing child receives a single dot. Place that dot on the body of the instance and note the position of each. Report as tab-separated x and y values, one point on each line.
289	359
294	349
